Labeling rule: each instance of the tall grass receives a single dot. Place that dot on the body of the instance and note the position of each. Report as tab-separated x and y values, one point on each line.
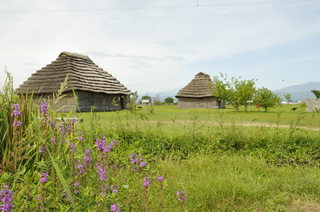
124	161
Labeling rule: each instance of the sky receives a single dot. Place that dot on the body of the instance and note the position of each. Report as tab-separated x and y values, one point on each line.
160	45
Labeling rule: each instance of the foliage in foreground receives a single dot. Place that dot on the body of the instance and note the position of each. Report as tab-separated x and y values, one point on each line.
50	162
66	169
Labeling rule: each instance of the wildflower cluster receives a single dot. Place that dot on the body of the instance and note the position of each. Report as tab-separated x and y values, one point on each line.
134	159
16	113
115	208
6	199
44	111
182	197
146	182
102	173
103	147
87	156
43	178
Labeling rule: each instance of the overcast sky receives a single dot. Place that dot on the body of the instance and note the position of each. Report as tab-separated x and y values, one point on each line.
159	45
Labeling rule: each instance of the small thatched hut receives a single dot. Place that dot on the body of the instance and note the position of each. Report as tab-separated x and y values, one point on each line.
198	93
87	85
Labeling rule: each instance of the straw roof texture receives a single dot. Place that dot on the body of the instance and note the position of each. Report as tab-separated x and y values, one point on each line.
201	86
82	74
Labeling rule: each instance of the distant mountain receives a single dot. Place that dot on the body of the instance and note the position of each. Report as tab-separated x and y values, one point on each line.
163	94
299	92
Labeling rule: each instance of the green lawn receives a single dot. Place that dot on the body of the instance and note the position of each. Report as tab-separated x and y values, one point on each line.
172	120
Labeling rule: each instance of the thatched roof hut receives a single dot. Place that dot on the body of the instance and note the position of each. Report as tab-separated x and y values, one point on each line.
92	85
198	93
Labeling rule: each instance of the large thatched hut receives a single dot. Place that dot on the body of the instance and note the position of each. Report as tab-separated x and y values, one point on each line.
87	86
198	93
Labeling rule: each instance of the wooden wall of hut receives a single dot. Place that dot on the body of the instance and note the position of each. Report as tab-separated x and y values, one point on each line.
101	101
206	102
84	101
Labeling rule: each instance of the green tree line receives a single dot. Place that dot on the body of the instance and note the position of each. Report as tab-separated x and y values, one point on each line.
239	92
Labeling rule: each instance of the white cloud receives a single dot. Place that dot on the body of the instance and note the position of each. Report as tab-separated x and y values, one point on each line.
153	45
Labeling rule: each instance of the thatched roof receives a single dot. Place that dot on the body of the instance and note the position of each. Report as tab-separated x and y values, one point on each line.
82	74
201	86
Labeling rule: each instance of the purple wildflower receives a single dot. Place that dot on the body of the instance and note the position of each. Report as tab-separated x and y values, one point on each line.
103	147
16	106
54	140
100	144
143	164
73	120
102	173
42	149
160	178
17	123
16	113
105	187
67	198
115	208
87	156
16	110
62	129
6	198
146	182
134	158
181	195
114	189
111	145
44	107
43	178
44	110
71	145
80	168
53	125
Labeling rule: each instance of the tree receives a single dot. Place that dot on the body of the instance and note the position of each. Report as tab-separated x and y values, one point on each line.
146	97
236	91
156	100
266	98
221	89
288	97
131	102
169	100
316	93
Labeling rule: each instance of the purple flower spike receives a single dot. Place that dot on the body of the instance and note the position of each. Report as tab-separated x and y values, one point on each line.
87	156
160	178
6	198
43	178
102	173
80	168
42	149
17	123
134	158
143	164
115	208
146	182
44	107
16	106
181	195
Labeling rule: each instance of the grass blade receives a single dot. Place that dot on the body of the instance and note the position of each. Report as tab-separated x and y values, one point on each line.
62	180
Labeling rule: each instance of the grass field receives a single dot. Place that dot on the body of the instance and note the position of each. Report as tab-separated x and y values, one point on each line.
168	160
174	120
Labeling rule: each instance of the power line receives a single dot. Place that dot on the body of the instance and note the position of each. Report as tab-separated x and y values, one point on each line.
164	17
161	7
